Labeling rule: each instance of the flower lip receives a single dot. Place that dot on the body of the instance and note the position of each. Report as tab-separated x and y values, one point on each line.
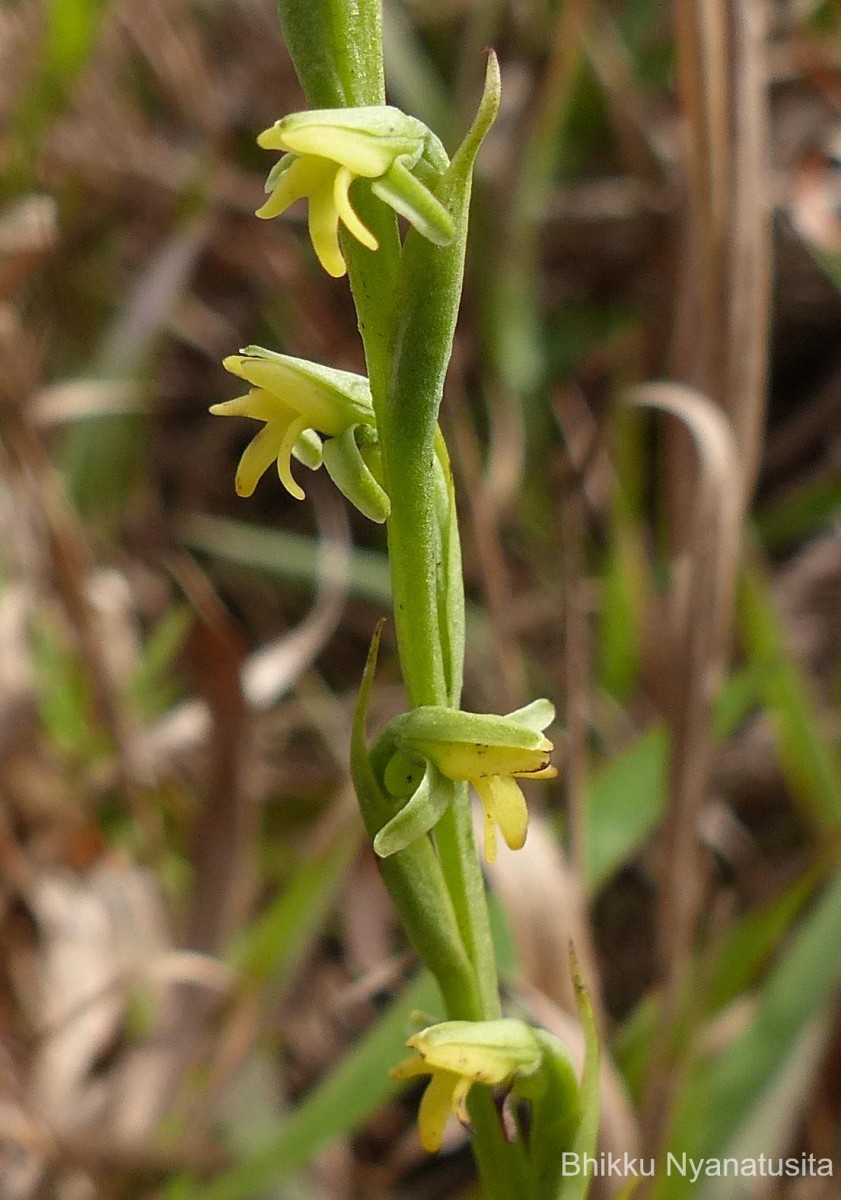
276	442
466	761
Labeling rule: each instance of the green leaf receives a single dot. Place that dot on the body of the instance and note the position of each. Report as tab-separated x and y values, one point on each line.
71	28
576	1187
293	557
628	794
800	514
804	978
625	801
722	1095
810	762
750	942
153	686
734	967
270	951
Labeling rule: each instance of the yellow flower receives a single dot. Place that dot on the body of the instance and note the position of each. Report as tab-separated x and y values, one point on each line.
327	149
488	751
298	400
457	1054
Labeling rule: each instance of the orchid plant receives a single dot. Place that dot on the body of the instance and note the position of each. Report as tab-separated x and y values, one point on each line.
360	164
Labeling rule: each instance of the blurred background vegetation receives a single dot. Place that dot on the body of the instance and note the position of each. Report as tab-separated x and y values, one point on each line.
201	976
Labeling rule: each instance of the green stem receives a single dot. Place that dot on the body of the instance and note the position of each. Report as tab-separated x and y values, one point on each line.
502	1165
336	48
460	863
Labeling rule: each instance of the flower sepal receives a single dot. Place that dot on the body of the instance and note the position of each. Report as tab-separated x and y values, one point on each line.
366	140
352	460
330	399
428	795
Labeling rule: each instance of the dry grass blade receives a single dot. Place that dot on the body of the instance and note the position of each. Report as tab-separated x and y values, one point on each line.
56	527
170	745
28	229
545	906
73	401
588	472
724	303
268	672
700	621
159	290
97	937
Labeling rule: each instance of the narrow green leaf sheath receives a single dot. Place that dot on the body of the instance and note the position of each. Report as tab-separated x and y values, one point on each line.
428	297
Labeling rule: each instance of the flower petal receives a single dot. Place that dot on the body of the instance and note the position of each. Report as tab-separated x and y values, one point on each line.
435	1108
409	1068
258	456
460	1094
487	1052
547	772
535	716
346	211
435	724
332	400
280	168
309	450
484	793
284	457
365	140
474	761
293	184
